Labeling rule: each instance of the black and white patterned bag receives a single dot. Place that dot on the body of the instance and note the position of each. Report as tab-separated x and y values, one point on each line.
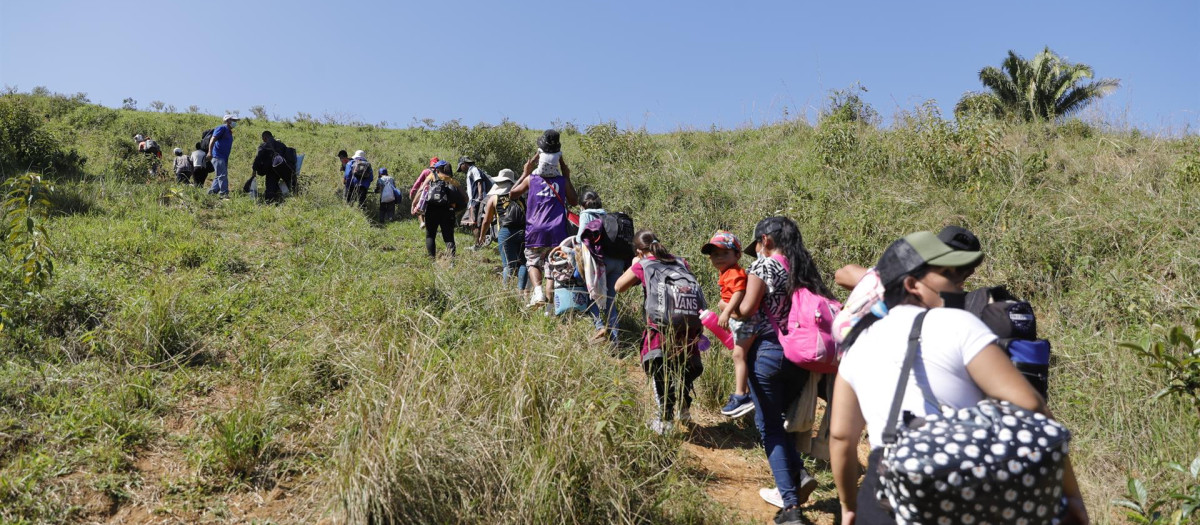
987	464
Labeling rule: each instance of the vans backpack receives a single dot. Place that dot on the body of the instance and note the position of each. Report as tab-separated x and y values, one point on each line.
1015	326
807	334
617	236
673	295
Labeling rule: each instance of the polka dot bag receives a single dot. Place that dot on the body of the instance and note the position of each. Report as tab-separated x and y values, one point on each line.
987	464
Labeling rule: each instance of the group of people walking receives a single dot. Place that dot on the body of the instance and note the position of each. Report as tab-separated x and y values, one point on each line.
957	433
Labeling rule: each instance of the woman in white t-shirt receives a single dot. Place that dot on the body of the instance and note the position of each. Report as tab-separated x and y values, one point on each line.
960	361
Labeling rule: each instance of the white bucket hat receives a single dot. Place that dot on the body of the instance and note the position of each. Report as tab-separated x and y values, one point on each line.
360	154
503	181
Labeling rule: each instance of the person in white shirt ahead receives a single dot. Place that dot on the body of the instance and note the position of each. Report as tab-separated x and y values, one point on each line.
960	361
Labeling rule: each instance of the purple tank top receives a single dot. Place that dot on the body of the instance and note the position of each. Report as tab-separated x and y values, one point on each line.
545	213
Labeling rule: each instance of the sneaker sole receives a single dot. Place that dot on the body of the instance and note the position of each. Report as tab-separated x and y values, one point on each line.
740	411
805	490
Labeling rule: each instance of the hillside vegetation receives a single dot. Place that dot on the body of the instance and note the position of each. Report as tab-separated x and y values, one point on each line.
193	359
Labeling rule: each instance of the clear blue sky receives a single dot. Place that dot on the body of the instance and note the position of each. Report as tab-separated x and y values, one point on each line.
662	64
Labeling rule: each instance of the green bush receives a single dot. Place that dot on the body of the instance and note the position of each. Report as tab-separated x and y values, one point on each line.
606	145
26	146
492	147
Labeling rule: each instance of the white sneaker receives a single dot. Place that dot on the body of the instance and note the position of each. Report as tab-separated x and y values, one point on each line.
536	300
659	426
771	496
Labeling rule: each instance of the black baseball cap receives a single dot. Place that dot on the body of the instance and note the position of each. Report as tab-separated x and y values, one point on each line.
959	238
767	226
921	248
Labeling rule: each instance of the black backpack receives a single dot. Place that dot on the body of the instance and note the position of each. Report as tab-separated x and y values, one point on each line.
205	138
441	194
511	212
1015	326
152	147
361	171
616	239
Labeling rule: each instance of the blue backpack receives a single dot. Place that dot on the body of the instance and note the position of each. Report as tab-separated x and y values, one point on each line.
1015	326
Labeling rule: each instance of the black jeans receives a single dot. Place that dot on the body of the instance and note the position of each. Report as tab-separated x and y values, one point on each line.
356	193
872	511
435	218
387	211
667	373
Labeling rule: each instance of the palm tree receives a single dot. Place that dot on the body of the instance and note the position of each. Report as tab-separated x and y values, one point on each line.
1044	88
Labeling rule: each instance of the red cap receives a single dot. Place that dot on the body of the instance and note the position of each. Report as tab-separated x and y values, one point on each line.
432	161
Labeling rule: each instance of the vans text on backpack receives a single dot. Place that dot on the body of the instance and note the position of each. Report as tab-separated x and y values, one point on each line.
673	295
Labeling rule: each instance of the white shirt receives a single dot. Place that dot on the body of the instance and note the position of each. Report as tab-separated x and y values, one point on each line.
198	159
950	339
474	174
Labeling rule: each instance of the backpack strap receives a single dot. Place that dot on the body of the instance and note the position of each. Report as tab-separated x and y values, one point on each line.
910	357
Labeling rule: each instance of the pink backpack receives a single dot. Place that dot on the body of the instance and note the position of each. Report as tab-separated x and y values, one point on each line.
807	337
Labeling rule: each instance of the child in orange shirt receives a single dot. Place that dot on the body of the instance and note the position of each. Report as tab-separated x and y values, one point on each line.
724	251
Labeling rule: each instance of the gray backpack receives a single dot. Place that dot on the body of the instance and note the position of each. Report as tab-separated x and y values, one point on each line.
673	295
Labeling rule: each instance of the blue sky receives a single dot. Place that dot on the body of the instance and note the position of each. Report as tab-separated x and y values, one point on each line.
665	65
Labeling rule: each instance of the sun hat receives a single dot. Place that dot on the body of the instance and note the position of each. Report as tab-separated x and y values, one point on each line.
920	248
722	239
767	226
229	117
549	142
360	154
139	137
179	151
503	182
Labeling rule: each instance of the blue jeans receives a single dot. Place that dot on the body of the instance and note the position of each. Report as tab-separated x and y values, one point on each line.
512	255
613	269
774	384
221	178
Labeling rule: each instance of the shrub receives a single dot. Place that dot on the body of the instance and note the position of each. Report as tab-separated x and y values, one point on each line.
607	144
493	147
844	105
26	145
240	442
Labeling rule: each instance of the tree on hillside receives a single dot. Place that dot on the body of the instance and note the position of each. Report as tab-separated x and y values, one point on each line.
1044	88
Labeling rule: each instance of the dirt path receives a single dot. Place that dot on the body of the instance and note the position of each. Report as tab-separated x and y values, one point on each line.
727	453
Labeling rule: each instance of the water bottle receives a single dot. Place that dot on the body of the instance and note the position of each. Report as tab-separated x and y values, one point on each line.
709	320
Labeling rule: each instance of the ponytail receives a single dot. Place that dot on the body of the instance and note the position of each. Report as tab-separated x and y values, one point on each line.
646	241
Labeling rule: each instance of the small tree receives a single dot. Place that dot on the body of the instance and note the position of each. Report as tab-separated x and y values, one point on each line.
259	112
845	105
129	103
1044	88
193	109
158	105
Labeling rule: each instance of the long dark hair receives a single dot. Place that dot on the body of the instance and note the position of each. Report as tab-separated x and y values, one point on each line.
893	294
803	272
647	241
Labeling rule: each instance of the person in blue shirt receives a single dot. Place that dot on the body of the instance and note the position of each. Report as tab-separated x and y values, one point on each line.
357	178
218	151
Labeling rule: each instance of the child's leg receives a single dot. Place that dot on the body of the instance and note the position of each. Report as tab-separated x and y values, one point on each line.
740	385
655	369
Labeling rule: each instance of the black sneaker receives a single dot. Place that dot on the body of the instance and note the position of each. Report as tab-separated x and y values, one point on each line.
805	486
789	516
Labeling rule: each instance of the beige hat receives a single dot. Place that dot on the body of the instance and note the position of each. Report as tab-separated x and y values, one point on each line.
503	181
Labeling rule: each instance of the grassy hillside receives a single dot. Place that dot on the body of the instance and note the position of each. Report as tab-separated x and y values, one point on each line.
191	357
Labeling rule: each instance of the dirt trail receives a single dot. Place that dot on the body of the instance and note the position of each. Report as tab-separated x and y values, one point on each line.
728	454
